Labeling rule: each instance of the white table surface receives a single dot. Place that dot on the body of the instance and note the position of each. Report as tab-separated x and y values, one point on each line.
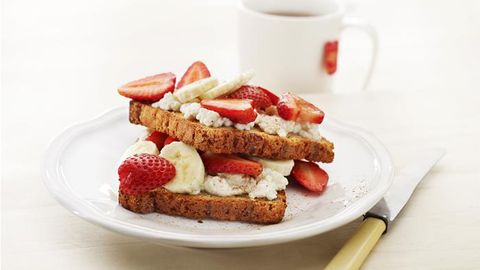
61	63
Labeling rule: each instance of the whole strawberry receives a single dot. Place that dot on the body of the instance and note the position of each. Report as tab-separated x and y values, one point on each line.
260	99
144	172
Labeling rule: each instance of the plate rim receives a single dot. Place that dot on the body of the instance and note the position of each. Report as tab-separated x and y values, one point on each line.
53	178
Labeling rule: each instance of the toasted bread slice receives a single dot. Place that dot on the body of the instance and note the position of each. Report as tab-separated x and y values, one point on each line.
230	140
205	206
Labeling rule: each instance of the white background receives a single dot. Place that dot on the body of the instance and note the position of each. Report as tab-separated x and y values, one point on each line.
62	61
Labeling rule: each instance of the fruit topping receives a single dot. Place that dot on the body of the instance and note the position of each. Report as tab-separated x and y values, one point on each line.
228	87
287	107
195	89
198	70
224	163
144	172
273	97
294	108
190	171
150	89
158	138
169	140
238	110
284	167
261	100
310	175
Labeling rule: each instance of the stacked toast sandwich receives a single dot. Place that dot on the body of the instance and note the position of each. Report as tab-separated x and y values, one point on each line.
219	150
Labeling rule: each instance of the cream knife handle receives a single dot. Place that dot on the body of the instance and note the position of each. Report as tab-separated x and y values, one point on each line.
356	250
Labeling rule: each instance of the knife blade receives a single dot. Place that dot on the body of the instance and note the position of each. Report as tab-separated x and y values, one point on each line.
377	220
404	184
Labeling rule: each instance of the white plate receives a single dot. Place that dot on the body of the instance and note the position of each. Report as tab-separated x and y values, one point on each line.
80	170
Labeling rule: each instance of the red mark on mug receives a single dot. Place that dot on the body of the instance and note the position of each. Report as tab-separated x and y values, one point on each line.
330	53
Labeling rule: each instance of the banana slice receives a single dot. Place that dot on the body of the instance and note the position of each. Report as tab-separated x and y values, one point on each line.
229	87
281	166
190	172
140	147
195	89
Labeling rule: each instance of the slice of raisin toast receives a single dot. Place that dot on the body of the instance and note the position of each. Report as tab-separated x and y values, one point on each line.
205	206
229	140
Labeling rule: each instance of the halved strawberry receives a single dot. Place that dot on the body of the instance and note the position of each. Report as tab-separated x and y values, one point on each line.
158	138
169	140
151	88
310	175
260	99
144	172
237	110
198	70
273	97
309	112
287	107
224	163
295	108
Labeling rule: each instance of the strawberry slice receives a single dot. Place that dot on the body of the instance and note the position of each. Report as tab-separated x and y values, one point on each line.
309	113
150	89
260	99
273	97
330	55
310	175
198	70
287	107
158	138
169	140
144	172
237	110
224	163
294	108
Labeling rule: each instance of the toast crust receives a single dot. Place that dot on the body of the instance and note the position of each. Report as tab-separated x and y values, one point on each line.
205	206
229	140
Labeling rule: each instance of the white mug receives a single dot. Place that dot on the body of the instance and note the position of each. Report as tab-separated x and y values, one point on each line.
292	44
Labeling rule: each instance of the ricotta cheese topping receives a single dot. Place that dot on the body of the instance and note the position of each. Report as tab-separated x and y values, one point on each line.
276	125
168	103
270	124
247	126
212	119
265	185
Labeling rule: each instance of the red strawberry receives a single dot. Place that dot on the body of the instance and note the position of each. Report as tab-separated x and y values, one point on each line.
198	70
224	163
330	55
151	88
169	140
158	138
237	110
309	112
273	97
310	175
295	108
260	99
287	107
144	172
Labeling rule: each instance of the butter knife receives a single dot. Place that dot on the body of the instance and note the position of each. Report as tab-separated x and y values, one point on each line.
381	216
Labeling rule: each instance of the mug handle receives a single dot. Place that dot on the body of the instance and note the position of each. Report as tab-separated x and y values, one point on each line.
361	24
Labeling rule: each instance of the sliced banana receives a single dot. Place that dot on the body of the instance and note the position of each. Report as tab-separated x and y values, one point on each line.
140	147
281	166
190	172
195	89
229	87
